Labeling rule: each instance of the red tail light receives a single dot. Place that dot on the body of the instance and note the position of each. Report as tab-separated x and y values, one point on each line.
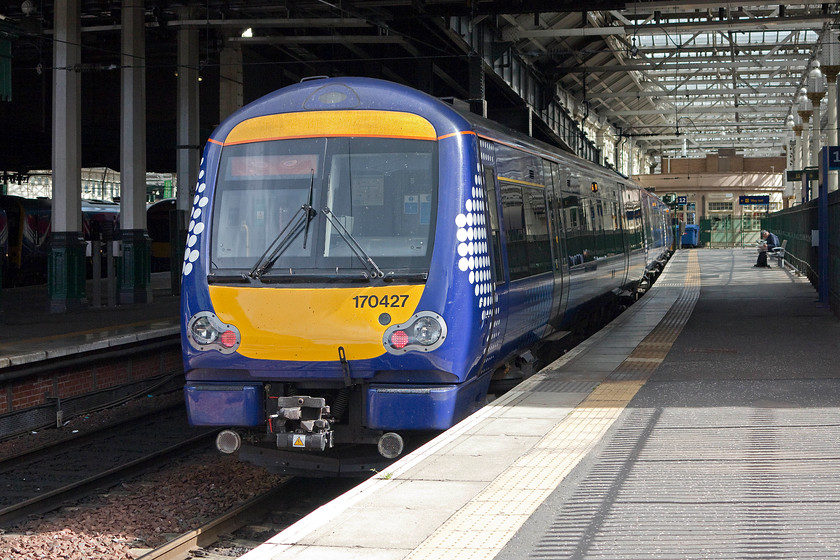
399	339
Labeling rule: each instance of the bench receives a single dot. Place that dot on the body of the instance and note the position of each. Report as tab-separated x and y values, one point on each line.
778	253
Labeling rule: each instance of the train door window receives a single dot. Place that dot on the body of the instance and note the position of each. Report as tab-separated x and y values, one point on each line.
493	223
536	230
612	230
517	250
551	173
632	213
574	229
588	236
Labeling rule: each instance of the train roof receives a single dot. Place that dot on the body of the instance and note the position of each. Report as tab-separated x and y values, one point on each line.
343	94
359	93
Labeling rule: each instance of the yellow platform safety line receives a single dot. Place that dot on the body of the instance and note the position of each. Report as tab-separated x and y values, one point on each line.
483	527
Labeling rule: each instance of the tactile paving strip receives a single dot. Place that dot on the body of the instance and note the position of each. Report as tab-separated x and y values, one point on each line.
482	528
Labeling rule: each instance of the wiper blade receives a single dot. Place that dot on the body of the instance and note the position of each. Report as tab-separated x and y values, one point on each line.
310	212
372	268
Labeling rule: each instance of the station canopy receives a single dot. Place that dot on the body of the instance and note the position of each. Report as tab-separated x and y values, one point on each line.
670	76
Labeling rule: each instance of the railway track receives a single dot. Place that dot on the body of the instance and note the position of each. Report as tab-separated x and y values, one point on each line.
43	479
272	511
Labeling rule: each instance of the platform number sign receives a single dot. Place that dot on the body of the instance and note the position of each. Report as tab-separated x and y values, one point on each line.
833	157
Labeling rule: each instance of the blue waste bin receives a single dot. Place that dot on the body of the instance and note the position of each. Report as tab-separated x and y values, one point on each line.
689	238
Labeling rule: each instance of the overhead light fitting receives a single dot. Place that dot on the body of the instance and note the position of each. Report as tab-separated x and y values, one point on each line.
248	33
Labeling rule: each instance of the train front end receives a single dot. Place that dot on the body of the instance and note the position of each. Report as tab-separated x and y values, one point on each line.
318	308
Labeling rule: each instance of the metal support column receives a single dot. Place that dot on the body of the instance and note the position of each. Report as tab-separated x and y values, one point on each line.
231	94
189	150
134	267
66	271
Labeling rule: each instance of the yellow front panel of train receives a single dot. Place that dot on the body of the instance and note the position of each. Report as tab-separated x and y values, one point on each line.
379	124
310	324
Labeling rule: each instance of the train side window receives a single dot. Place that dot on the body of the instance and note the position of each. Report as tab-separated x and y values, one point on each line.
493	215
536	230
517	249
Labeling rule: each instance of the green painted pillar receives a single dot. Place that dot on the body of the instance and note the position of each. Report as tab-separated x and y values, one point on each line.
66	271
134	267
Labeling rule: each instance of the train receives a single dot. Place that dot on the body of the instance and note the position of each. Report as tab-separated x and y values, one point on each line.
25	226
365	262
25	234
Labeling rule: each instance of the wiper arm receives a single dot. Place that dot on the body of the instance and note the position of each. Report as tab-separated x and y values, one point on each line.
283	239
282	242
375	271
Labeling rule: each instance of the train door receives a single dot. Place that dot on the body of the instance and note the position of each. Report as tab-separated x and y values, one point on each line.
500	282
553	180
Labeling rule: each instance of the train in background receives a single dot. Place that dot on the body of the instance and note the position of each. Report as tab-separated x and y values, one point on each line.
25	237
365	262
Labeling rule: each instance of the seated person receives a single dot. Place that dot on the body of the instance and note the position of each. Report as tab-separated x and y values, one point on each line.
771	241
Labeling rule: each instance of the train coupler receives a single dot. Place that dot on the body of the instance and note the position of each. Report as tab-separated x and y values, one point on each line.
300	423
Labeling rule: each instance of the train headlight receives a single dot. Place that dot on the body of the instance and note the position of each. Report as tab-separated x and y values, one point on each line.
424	332
206	332
427	331
203	331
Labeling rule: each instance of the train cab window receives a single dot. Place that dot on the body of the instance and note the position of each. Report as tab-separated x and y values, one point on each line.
370	197
493	222
381	193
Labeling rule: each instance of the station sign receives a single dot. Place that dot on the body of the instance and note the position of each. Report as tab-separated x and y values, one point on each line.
757	199
796	174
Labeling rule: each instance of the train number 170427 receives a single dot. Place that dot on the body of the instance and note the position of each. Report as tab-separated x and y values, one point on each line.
374	301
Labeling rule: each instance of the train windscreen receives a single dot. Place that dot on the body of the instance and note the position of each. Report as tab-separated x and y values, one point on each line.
325	204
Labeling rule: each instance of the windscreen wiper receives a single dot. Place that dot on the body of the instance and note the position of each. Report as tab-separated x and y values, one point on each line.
300	222
373	270
310	212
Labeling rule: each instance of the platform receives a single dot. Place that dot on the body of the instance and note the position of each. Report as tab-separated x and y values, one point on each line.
702	423
31	333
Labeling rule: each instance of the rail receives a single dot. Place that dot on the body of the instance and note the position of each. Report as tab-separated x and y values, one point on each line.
209	533
801	266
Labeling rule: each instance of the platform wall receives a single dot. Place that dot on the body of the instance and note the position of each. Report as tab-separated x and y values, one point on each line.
29	399
796	224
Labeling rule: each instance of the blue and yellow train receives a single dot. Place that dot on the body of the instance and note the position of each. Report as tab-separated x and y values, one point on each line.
363	260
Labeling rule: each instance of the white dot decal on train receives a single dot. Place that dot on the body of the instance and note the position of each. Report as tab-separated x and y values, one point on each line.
196	227
472	251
